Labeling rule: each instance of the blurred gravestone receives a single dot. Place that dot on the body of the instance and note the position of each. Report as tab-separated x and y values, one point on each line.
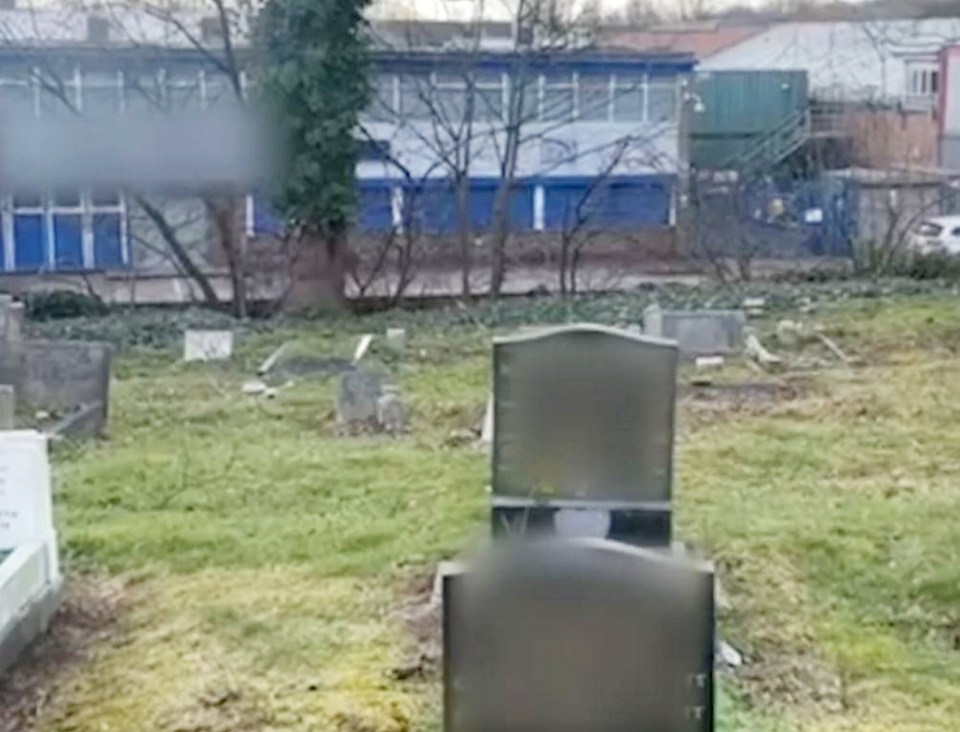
698	332
578	636
358	398
61	377
584	421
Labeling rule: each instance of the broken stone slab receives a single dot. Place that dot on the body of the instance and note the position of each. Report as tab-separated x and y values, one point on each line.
761	355
790	334
272	359
709	363
698	332
362	347
727	656
82	423
754	306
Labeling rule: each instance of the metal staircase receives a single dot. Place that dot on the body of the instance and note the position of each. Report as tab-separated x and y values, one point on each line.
772	147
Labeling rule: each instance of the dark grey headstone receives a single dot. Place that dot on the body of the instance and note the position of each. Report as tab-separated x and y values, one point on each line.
584	413
360	391
579	636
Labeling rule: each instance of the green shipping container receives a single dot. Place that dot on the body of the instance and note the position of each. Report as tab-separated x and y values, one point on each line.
734	108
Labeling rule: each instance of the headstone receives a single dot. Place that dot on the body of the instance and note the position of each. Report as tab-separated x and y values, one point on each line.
397	340
30	581
60	377
11	319
26	512
207	345
359	395
8	407
698	332
583	635
391	411
584	420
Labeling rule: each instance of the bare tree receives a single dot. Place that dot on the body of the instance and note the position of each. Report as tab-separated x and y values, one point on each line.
217	50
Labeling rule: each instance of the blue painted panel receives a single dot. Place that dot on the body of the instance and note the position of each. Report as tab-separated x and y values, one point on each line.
375	212
264	220
482	195
68	241
107	246
635	203
433	206
30	240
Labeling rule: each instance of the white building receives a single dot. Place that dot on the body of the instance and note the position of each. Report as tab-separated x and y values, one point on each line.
881	61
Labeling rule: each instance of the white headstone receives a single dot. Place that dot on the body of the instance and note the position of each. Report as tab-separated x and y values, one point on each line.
26	513
207	345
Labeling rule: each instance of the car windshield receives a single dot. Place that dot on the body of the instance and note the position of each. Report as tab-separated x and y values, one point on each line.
928	228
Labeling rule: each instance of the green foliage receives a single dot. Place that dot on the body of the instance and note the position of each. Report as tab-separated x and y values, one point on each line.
57	304
314	77
939	266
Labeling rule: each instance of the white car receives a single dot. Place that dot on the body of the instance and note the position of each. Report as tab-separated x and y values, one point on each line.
937	234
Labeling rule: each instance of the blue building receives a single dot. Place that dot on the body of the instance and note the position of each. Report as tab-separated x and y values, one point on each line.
600	139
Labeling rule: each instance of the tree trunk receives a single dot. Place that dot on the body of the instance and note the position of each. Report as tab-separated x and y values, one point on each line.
319	272
464	234
231	239
179	251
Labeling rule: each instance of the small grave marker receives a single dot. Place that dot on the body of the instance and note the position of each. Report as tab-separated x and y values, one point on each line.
358	397
207	345
591	635
698	332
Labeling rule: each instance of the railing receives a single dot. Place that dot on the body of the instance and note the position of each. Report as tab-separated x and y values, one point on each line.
775	145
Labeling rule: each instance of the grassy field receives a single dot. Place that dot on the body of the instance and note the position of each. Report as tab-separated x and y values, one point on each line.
264	569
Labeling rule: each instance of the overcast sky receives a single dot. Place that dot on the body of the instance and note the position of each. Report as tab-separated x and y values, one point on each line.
463	10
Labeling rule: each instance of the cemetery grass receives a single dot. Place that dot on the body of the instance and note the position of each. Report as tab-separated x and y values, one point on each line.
273	571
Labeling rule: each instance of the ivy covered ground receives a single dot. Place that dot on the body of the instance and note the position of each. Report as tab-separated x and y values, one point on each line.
237	565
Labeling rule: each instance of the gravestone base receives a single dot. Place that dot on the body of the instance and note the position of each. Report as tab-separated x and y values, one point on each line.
31	591
637	525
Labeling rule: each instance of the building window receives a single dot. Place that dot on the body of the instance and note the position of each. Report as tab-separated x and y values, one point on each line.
923	83
557	102
488	105
661	102
65	230
628	97
449	94
383	108
415	96
593	97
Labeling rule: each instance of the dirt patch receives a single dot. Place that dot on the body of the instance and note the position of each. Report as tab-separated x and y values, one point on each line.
422	613
706	403
793	678
87	617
